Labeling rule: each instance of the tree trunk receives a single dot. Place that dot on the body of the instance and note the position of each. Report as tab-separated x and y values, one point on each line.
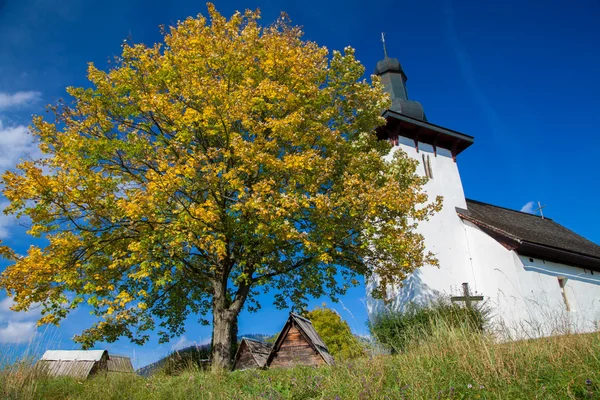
225	313
222	340
223	322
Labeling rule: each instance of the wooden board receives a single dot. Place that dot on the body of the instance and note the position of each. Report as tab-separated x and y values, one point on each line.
295	350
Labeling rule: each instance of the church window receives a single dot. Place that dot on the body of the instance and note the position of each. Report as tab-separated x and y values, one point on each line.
427	166
562	282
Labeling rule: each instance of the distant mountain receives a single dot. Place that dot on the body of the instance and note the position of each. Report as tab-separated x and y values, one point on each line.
178	360
192	355
255	336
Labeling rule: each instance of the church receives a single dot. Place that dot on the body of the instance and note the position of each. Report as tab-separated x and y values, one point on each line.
538	277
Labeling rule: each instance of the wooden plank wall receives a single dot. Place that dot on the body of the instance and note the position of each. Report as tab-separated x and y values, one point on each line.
295	350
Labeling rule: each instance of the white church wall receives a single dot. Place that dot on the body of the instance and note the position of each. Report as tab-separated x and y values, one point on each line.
496	278
444	234
582	291
525	294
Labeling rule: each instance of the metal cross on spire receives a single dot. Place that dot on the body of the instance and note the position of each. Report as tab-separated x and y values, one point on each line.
540	206
383	41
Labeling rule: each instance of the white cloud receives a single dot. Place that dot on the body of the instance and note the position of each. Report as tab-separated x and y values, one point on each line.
16	143
528	208
17	332
8	100
16	327
6	314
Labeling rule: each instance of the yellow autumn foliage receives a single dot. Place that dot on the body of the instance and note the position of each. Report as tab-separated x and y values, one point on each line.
229	159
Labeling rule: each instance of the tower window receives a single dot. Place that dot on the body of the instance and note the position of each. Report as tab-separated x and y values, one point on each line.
427	166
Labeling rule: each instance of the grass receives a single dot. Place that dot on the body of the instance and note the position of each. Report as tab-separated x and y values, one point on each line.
449	363
398	329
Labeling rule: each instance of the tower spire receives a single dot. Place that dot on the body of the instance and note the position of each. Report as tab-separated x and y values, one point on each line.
394	81
383	42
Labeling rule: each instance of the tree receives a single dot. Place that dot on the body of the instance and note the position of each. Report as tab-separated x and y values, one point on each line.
335	332
193	174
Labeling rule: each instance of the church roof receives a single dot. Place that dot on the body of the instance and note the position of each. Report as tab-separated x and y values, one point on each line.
407	118
532	235
398	124
394	81
388	64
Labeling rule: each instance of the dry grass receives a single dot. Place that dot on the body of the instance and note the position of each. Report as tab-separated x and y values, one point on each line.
450	364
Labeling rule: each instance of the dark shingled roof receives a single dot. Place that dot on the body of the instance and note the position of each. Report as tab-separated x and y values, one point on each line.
532	235
260	350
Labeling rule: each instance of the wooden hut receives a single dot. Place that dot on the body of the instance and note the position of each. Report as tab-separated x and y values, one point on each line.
251	354
120	364
78	364
299	344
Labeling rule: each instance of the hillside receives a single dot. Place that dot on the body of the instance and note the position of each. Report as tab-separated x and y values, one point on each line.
452	364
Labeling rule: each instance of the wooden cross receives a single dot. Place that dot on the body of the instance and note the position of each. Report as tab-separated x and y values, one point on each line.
466	297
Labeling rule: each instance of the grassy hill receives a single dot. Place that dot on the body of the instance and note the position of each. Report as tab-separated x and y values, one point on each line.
450	364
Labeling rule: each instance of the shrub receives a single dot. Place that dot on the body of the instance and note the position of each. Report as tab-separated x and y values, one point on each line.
336	333
397	329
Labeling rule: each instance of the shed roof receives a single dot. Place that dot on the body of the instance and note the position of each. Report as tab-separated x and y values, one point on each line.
119	364
74	355
532	235
75	369
260	351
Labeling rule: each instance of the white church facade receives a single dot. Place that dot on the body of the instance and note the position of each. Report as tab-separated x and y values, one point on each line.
539	277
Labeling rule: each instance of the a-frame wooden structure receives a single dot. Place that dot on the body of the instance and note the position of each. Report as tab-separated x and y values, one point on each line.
251	354
299	344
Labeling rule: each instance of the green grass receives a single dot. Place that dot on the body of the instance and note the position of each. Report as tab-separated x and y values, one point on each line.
451	363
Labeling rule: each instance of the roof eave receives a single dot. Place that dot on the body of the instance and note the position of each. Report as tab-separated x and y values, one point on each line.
459	140
558	255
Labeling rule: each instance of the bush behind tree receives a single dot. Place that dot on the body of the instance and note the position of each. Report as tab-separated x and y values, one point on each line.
335	332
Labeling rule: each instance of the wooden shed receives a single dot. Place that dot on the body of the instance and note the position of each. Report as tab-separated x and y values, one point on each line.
78	364
120	364
299	344
251	354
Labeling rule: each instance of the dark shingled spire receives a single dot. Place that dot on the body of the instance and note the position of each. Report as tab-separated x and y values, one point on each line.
394	79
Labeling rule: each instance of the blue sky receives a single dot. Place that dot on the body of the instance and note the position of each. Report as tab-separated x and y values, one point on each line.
521	77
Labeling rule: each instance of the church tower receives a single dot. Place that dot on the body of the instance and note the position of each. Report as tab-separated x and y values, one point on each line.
436	149
540	277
